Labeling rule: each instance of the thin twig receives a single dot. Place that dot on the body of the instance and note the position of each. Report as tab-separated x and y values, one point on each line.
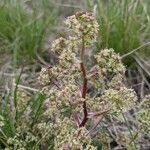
27	88
67	5
134	50
141	65
42	61
95	126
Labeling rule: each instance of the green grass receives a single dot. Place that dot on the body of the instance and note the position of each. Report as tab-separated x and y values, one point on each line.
124	25
24	26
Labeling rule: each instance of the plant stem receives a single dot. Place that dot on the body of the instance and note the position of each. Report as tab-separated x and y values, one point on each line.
82	50
84	87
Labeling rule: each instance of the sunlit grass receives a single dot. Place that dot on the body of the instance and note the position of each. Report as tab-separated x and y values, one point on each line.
24	25
124	25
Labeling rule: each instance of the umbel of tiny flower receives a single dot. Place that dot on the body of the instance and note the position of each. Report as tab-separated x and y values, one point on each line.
78	98
110	62
120	100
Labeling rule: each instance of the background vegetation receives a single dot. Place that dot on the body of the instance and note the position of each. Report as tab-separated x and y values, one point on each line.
124	25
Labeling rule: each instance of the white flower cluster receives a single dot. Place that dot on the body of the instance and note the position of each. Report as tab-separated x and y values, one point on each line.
67	137
44	76
110	62
58	45
83	24
120	100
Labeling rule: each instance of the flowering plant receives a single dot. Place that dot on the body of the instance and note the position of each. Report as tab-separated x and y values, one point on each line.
79	100
72	88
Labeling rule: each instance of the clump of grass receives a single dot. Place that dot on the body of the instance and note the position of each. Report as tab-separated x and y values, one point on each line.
24	25
124	25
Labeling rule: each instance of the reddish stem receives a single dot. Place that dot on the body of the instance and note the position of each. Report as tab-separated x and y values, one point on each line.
84	90
84	87
85	115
